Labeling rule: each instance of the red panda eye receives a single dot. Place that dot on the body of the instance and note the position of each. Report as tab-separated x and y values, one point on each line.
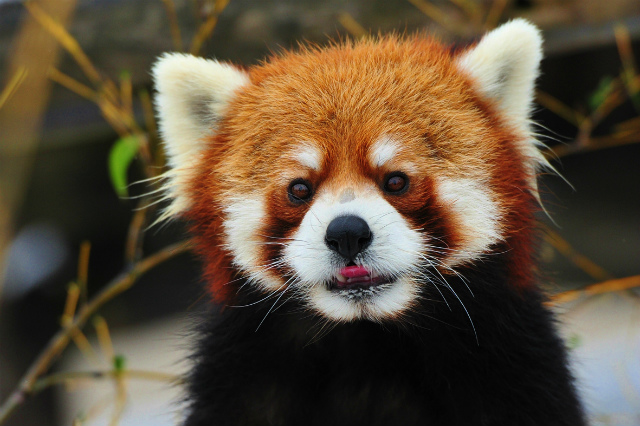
396	183
299	191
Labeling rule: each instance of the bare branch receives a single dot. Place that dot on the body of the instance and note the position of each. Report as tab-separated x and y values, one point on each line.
61	339
599	288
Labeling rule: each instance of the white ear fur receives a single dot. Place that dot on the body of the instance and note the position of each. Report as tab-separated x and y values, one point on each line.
193	94
504	66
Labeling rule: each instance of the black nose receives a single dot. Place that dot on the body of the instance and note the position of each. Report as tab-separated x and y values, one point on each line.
348	235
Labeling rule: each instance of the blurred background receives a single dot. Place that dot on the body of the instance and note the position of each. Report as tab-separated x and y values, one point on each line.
77	127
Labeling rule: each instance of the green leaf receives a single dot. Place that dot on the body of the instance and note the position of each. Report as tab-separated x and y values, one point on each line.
599	95
119	363
121	155
574	341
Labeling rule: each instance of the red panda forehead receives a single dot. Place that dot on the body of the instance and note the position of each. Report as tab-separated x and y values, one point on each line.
394	78
355	57
345	99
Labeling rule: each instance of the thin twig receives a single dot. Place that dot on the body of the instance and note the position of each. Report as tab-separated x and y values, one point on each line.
560	109
87	416
61	339
108	93
83	344
495	12
110	114
73	294
145	155
83	271
614	99
72	84
625	50
599	288
173	24
632	124
126	94
13	84
434	13
584	140
68	377
121	398
149	116
135	234
592	144
67	41
206	28
104	337
471	9
204	32
352	26
581	261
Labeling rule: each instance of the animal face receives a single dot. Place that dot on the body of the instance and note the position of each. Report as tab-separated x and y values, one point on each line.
356	237
354	178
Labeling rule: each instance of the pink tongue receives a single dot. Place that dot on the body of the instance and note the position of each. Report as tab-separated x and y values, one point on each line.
354	272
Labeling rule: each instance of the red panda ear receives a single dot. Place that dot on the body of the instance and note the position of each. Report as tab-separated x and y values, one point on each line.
505	65
193	94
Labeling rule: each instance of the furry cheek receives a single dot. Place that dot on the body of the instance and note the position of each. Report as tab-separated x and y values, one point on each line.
307	254
476	215
244	219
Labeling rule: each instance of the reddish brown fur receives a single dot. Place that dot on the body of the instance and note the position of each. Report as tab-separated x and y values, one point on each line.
342	100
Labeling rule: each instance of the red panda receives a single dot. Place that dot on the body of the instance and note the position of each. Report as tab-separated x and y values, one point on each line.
365	215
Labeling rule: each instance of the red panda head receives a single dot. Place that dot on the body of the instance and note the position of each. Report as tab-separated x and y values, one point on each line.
353	176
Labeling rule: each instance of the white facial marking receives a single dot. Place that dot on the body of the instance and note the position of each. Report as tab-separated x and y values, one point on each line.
244	219
383	151
395	251
309	156
477	216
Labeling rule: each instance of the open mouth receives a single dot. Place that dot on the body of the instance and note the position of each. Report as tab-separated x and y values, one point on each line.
353	277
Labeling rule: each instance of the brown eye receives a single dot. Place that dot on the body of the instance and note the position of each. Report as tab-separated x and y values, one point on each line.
396	183
299	191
